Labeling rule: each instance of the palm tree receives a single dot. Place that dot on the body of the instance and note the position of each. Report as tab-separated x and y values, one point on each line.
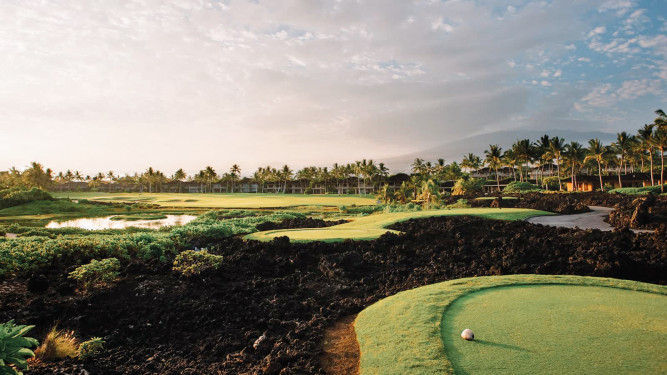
285	174
541	149
574	155
623	146
471	162
418	166
383	172
523	151
661	120
149	175
494	159
429	193
510	160
179	176
556	148
660	142
403	193
386	194
645	137
234	174
598	152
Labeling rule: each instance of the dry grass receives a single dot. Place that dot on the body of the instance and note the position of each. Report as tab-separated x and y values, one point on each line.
57	344
341	349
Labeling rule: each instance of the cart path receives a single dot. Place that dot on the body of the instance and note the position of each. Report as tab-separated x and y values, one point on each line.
587	220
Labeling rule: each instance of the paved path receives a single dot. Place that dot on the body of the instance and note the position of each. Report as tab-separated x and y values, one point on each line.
587	220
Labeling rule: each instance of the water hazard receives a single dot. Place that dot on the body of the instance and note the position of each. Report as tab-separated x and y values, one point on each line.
99	223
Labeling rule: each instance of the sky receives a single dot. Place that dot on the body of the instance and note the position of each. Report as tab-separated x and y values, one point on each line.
126	84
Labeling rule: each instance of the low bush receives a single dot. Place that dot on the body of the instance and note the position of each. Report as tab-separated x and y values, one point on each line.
360	210
90	348
25	255
15	348
16	196
638	190
468	186
461	203
521	187
191	262
408	207
551	182
57	345
96	273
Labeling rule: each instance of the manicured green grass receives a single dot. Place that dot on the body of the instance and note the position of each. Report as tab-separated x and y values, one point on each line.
373	226
238	200
558	329
522	324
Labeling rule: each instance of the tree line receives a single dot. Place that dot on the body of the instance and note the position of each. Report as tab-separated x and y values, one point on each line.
550	156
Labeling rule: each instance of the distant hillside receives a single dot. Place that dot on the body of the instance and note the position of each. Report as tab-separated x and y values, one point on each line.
456	149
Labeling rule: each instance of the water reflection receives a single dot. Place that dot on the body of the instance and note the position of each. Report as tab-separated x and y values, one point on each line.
99	223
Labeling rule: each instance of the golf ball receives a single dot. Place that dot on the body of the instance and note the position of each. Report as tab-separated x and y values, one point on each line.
467	334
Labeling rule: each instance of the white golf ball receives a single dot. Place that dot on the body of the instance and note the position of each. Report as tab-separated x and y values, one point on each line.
467	334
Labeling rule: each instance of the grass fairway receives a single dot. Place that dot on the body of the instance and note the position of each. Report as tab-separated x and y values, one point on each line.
237	200
373	226
523	324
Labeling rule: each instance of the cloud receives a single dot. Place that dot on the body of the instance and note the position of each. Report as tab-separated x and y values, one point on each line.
606	96
620	7
597	31
282	81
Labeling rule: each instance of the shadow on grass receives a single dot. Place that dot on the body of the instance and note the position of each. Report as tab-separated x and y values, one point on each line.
500	345
453	353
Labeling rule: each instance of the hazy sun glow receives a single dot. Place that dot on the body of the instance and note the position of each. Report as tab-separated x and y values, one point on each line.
121	85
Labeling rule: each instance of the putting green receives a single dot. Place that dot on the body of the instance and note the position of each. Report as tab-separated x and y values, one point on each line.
523	324
558	329
373	226
213	200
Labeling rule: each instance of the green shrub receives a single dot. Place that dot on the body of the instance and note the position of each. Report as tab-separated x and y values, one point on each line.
40	247
461	203
191	262
360	210
14	348
16	196
467	186
96	273
408	207
90	348
638	190
521	187
551	182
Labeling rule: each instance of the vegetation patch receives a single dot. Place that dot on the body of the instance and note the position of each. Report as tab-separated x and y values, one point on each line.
373	226
96	273
408	333
15	348
192	263
138	217
638	190
58	344
237	200
521	187
28	254
18	196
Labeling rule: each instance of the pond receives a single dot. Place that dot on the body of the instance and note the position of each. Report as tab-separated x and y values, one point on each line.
98	223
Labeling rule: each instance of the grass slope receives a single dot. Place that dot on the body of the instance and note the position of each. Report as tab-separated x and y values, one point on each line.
237	200
415	331
373	226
